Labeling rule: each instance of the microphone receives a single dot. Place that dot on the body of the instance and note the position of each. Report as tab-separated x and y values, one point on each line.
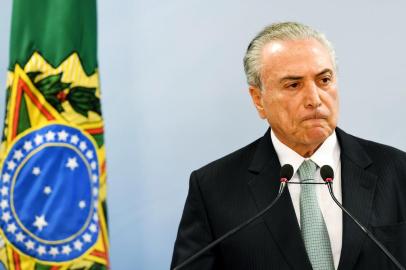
286	174
327	174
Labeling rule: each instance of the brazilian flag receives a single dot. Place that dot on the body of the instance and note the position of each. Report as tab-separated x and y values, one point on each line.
52	154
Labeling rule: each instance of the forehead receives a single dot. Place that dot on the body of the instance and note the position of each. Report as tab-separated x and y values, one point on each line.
294	57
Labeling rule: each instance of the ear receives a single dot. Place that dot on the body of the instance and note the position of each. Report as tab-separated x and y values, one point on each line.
256	96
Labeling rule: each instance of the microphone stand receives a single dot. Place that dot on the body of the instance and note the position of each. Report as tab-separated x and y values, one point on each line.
236	229
365	230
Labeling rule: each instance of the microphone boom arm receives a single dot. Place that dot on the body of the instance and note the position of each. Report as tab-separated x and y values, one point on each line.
235	230
365	230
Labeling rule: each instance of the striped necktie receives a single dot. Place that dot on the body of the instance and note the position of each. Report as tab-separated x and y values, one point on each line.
313	227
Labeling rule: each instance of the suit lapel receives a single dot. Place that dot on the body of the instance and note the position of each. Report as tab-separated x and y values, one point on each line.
358	186
281	219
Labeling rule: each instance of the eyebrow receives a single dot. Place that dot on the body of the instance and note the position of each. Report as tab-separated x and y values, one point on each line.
326	70
293	78
290	78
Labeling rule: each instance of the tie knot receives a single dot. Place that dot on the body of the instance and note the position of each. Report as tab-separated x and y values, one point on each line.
307	170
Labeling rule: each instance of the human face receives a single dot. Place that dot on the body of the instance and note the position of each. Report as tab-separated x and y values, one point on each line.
298	96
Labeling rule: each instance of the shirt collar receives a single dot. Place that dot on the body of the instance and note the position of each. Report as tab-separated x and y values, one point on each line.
327	154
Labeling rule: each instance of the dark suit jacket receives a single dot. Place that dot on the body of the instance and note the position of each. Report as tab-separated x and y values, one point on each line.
232	189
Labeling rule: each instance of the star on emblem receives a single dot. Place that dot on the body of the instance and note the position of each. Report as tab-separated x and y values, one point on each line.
18	154
74	139
87	238
29	244
82	146
94	178
4	204
41	250
36	171
89	154
93	165
40	222
95	217
6	177
72	163
4	191
82	204
38	139
11	165
66	250
27	146
47	190
78	245
93	228
50	136
11	228
54	251
20	237
63	135
6	216
95	191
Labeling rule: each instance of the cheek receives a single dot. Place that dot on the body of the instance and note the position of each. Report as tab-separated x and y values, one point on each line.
282	110
330	99
332	104
280	114
335	104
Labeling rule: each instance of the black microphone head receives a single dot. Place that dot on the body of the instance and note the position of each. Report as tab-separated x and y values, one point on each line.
327	173
286	172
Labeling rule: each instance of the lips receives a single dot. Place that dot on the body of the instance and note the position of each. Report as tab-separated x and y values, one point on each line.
316	116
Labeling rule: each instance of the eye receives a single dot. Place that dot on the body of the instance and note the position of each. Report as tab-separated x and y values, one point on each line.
325	80
293	85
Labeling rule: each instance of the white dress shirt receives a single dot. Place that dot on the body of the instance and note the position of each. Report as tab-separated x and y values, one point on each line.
328	153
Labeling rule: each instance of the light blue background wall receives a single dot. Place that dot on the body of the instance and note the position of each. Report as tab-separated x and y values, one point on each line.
175	98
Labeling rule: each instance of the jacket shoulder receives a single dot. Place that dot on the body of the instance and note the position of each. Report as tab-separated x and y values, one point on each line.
233	164
382	155
376	149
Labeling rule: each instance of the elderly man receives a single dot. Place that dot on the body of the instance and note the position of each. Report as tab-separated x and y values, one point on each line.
291	72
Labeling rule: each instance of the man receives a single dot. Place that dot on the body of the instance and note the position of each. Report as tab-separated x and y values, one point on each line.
292	79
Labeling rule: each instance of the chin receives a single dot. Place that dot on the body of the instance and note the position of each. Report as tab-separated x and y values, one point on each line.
318	135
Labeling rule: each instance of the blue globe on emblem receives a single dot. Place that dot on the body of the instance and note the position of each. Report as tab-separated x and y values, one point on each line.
49	193
48	189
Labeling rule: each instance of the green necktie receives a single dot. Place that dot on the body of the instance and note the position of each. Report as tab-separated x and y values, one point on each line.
314	230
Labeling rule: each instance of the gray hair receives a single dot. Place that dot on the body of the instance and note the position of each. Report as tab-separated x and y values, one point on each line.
278	32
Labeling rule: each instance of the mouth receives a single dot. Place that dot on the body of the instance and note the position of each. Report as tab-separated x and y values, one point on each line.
315	120
311	119
315	116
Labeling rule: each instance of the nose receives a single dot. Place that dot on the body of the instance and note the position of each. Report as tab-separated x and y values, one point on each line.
312	96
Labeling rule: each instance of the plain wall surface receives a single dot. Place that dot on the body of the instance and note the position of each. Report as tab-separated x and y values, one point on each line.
175	96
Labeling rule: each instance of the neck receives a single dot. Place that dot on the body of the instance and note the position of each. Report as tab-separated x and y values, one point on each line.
305	150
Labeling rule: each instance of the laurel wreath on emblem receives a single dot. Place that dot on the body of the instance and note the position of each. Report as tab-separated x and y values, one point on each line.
82	99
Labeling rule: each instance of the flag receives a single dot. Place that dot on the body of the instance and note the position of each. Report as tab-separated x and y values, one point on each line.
52	153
